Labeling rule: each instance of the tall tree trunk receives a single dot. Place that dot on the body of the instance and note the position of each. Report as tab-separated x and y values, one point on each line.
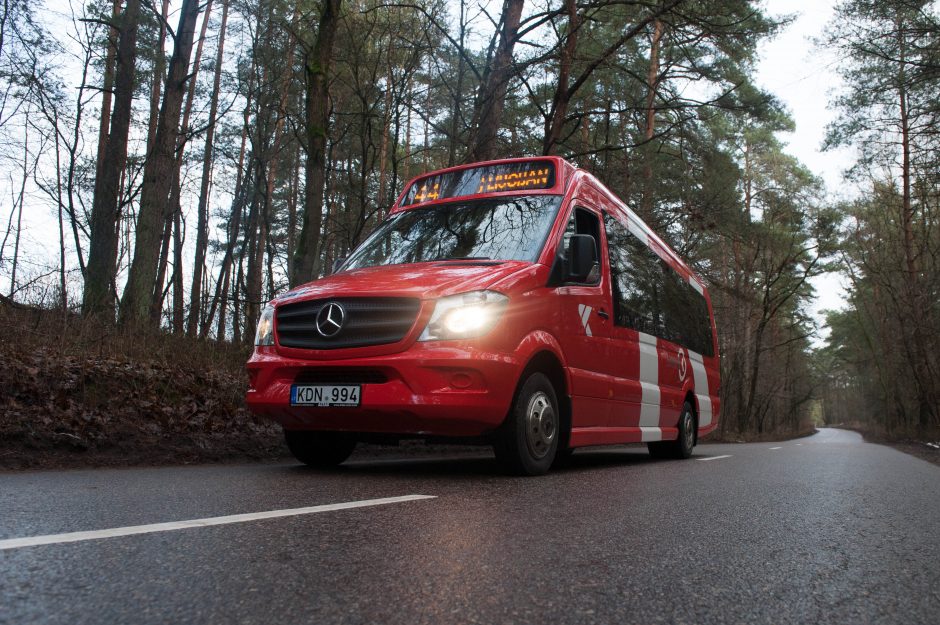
18	208
98	296
177	272
156	301
386	128
159	67
318	60
457	104
491	98
236	297
108	84
556	119
234	226
292	203
652	83
158	171
63	293
267	171
174	209
924	380
202	225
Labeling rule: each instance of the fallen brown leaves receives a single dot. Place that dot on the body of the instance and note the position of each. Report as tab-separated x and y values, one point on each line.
71	395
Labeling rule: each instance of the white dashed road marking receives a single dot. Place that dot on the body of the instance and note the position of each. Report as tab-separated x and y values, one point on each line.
772	448
714	458
51	539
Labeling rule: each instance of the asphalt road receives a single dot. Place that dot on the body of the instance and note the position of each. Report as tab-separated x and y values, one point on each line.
826	529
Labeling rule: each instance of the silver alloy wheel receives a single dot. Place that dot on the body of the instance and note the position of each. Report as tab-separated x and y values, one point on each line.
688	434
541	425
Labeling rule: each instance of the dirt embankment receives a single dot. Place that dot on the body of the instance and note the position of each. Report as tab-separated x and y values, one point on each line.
76	394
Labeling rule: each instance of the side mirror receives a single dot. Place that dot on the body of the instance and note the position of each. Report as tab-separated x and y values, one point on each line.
337	264
582	258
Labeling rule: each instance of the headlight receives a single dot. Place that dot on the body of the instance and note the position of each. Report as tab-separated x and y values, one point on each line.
264	335
464	316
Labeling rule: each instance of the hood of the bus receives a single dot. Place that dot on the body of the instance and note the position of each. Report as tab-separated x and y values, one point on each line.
421	280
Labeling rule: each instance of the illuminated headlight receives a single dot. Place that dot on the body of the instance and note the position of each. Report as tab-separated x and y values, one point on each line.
464	316
264	335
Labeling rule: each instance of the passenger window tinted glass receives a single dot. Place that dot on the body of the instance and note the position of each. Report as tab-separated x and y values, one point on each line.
650	297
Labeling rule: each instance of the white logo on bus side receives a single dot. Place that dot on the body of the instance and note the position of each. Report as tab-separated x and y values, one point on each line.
683	366
585	313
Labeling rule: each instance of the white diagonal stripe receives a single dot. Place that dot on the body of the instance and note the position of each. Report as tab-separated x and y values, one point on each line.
71	537
700	378
649	381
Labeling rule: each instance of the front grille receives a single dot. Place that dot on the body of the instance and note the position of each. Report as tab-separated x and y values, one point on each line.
341	376
369	321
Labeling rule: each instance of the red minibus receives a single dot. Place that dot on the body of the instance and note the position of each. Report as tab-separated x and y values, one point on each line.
516	302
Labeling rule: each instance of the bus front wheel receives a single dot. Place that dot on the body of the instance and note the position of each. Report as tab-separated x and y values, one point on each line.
528	441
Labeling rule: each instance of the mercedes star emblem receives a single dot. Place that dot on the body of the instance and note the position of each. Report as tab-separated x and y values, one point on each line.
330	319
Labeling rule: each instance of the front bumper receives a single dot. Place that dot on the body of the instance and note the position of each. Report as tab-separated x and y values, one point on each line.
431	389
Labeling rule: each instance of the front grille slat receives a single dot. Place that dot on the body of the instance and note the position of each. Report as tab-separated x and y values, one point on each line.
369	321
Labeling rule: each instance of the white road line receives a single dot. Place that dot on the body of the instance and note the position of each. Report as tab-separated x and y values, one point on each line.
799	444
50	539
772	448
714	458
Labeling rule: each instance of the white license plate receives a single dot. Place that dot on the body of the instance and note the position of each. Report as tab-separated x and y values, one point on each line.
325	395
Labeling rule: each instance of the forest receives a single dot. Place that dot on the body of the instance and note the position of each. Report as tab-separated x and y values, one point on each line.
193	159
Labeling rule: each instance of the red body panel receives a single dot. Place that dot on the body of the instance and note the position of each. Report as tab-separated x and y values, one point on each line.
624	386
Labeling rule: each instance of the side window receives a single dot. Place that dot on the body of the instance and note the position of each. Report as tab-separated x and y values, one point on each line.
649	296
687	319
583	221
636	280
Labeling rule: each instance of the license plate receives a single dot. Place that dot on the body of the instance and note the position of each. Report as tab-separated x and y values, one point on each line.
347	395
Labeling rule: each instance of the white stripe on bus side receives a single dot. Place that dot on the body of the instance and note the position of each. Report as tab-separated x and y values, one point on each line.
649	435
700	378
649	383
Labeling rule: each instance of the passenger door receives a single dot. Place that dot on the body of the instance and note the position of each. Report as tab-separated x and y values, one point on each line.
584	314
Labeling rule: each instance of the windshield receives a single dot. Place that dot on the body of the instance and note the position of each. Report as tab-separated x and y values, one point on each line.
505	228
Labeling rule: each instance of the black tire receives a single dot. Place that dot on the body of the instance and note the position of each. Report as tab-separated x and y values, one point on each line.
527	443
680	448
320	449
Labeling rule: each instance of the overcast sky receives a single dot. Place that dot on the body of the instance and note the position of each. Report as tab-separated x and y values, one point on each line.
803	77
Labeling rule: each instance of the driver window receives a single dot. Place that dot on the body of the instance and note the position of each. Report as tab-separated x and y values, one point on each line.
583	221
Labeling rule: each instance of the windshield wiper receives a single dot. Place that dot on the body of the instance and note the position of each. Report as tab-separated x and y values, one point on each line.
465	258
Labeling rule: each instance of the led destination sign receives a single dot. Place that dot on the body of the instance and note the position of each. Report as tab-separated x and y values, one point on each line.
524	176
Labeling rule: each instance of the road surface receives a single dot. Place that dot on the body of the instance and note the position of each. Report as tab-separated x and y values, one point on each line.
825	529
